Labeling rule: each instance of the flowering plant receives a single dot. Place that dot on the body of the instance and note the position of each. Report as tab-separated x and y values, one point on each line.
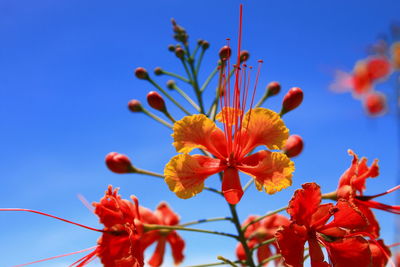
250	140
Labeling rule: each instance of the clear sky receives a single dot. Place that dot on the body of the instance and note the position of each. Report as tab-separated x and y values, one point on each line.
66	76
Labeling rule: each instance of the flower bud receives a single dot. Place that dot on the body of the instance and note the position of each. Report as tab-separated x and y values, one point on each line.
244	55
205	45
158	71
273	88
294	145
200	42
141	73
171	48
375	104
156	101
171	84
179	52
135	106
119	163
292	100
225	53
180	33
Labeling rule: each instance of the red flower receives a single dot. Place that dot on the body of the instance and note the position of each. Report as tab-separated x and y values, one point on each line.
120	245
310	224
260	232
351	188
375	103
162	216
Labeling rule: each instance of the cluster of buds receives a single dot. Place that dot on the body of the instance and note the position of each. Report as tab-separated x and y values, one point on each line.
367	73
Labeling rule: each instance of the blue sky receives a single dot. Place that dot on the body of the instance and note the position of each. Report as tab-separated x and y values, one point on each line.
66	76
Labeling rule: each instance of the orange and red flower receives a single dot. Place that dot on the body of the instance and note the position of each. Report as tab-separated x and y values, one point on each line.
309	223
259	232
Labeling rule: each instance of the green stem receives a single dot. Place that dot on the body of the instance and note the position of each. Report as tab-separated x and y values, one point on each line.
277	256
262	217
155	117
194	80
262	100
151	227
227	261
182	93
208	80
213	264
187	71
169	96
195	51
248	184
159	175
199	60
266	242
331	196
166	113
176	76
207	220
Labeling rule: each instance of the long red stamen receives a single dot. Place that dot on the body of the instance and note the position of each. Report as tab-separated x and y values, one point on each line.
377	205
85	260
379	195
59	256
55	217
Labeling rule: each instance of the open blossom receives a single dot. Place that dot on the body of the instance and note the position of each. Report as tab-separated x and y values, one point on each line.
352	185
310	222
163	215
259	232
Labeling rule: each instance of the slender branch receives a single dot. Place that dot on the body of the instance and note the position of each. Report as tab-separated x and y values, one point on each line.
193	55
176	76
182	93
266	242
207	220
276	256
250	182
194	80
168	96
262	100
159	175
208	80
214	264
262	217
150	227
199	60
156	118
227	261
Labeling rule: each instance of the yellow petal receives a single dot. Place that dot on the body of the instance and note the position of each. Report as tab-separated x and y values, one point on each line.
262	126
272	171
185	174
198	131
228	115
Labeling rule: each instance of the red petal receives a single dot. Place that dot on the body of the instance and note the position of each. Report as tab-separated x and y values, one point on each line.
291	240
347	252
380	253
158	255
177	246
166	214
316	254
304	203
348	216
263	252
231	187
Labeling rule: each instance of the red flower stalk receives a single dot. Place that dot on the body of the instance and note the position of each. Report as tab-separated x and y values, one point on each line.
309	223
351	187
185	174
294	146
119	163
259	232
163	215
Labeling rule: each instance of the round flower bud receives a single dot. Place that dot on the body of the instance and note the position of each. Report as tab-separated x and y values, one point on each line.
141	73
156	101
292	99
135	106
205	45
158	71
294	145
200	42
179	52
225	53
119	163
171	48
273	88
244	55
375	104
171	84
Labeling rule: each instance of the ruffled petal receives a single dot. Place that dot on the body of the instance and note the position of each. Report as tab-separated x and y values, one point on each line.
158	256
304	203
185	174
166	215
353	251
262	126
291	240
380	253
229	115
316	254
198	131
177	246
271	170
231	187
